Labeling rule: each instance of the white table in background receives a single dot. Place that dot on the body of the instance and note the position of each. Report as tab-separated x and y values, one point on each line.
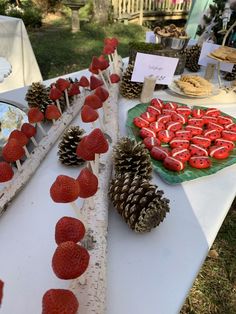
150	273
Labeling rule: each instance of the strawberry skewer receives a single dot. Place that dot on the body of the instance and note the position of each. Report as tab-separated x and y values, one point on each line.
13	152
52	113
36	116
83	152
103	94
29	130
94	102
88	186
63	86
96	68
88	114
84	82
6	174
22	140
55	95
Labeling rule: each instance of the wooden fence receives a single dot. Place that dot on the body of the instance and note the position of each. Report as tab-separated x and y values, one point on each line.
141	10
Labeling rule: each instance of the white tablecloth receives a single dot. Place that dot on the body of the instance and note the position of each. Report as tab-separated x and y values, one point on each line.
16	48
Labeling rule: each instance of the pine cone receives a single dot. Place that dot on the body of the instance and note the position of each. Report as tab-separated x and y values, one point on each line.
140	203
130	156
192	57
68	144
38	96
130	89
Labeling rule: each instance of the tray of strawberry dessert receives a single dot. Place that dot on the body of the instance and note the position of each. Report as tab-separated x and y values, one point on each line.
184	142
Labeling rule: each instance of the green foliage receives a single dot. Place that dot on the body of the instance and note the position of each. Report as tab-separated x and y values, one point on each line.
32	17
3	6
86	12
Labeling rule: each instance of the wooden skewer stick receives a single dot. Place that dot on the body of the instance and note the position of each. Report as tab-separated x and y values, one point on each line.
26	152
103	79
34	141
18	164
67	98
58	105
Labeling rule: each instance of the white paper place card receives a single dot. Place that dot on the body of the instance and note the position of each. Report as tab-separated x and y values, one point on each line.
163	68
150	37
204	59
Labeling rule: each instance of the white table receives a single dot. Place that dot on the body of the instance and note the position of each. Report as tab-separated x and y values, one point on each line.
148	273
16	48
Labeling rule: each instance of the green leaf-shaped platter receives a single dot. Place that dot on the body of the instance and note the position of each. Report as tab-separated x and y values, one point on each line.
188	173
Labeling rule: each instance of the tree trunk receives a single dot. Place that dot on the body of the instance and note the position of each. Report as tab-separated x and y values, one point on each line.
101	10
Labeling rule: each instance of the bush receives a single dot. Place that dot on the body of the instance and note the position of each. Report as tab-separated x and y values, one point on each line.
32	17
3	6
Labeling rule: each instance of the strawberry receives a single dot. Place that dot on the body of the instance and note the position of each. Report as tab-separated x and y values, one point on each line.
201	141
95	82
224	120
88	183
20	136
108	49
62	84
186	111
6	172
183	134
54	93
177	142
1	290
69	229
219	152
93	70
12	151
228	135
148	116
64	189
231	127
170	105
178	117
59	301
147	132
215	126
102	93
153	110
173	164
212	134
165	136
226	143
96	142
140	122
28	129
52	112
208	119
196	150
84	82
114	78
173	126
181	154
200	162
164	118
83	151
213	112
35	115
70	260
104	64
158	103
157	126
159	153
195	130
198	113
88	114
95	64
93	101
73	90
196	122
150	142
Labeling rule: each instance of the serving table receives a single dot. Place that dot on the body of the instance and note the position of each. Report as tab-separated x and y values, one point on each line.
147	273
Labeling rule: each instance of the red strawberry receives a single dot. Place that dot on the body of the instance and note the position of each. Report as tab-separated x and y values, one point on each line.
200	162
84	82
213	112
195	130
165	136
62	84
28	129
20	136
140	122
183	134
231	127
102	93
153	110
35	115
182	154
114	78
93	101
83	151
70	260
96	142
196	150
186	111
1	290
219	152
178	142
54	93
170	105
95	82
150	142
158	103
64	189
226	143
148	116
69	229
208	119
111	41
178	117
198	113
96	63
215	126
201	141
212	134
6	172
108	49
196	122
164	118
12	151
147	132
228	135
173	164
93	70
157	126
159	153
224	120
173	126
104	64
73	90
88	183
52	112
88	114
59	301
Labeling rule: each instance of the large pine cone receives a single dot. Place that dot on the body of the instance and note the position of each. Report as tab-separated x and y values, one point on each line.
192	57
38	96
133	157
130	89
68	144
140	203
